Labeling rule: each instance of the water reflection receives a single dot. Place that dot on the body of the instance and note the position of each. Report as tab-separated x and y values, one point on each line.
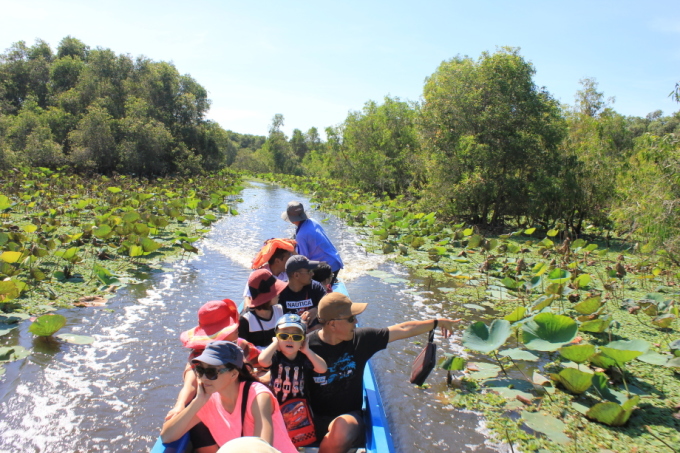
113	395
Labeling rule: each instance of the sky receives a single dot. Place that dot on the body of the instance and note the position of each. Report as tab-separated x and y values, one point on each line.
315	61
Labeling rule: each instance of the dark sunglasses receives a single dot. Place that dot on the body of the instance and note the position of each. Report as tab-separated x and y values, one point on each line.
351	319
297	337
210	373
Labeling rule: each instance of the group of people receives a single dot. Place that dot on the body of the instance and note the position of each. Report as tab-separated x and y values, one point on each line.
289	370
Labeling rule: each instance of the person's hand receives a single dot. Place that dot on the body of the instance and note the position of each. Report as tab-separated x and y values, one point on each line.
305	317
202	396
447	326
174	411
275	342
305	345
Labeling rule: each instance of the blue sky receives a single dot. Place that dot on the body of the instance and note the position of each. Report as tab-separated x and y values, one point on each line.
313	61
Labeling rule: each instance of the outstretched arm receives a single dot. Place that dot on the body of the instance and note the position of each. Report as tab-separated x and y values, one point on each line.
412	328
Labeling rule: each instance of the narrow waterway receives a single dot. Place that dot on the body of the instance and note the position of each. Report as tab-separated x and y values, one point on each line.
111	396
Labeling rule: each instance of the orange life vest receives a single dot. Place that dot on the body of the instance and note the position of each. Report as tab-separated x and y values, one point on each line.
270	246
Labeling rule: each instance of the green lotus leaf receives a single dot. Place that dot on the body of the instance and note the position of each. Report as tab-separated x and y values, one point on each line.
598	325
589	306
519	354
582	280
474	241
452	363
11	257
47	325
559	276
673	363
542	302
675	346
548	332
76	339
602	360
510	389
578	353
114	189
578	243
623	351
12	353
552	427
512	283
576	381
486	370
653	358
150	245
131	217
516	315
664	321
102	231
613	414
481	338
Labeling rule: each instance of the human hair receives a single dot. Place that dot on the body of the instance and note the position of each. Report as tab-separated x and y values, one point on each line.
323	272
245	373
278	254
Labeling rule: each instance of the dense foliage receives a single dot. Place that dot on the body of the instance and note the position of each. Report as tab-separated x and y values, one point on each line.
101	112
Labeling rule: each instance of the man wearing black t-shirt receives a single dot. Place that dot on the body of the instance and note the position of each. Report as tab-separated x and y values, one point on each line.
302	295
336	395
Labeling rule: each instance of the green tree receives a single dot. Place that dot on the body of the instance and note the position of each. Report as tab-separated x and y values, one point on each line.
298	144
489	132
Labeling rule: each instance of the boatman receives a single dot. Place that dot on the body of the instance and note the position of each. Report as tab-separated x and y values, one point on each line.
311	238
336	395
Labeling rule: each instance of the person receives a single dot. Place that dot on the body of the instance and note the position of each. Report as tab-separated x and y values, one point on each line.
217	320
219	403
257	325
311	238
272	256
302	294
336	395
291	362
324	275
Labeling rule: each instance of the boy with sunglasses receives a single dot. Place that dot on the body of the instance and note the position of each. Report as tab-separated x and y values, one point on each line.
292	363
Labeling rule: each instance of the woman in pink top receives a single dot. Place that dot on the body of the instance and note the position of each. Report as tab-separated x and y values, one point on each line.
222	377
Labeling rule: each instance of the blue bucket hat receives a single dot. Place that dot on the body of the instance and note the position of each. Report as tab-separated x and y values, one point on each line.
218	353
291	320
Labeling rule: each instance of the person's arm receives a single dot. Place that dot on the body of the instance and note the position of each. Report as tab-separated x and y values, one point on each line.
180	424
412	328
186	394
261	408
265	358
309	315
318	362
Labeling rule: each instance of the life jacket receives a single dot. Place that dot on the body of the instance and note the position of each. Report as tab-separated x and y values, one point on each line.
270	246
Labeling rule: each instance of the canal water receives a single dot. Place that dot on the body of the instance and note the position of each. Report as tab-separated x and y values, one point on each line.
112	396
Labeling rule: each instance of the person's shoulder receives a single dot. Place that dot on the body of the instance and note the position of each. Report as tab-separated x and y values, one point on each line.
316	286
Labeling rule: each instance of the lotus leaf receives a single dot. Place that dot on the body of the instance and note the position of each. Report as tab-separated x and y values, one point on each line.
453	363
582	280
542	302
474	307
559	276
8	291
519	354
481	338
602	360
547	332
589	306
11	257
539	269
577	244
76	339
149	245
598	325
663	321
12	353
653	358
47	325
510	389
613	414
552	233
483	370
578	353
474	241
552	427
675	347
576	381
516	315
623	351
511	283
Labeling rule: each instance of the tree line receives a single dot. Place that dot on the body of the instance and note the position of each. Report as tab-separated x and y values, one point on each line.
484	144
96	111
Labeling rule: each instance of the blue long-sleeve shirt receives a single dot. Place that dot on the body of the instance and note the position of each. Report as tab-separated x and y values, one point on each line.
313	243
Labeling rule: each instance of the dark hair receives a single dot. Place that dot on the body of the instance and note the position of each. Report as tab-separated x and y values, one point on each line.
278	254
322	272
245	373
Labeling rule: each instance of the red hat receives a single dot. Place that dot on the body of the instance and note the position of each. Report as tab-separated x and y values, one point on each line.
264	287
217	320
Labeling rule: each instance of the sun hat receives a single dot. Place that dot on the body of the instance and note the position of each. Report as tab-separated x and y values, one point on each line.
295	212
336	305
218	353
291	320
264	287
297	262
217	320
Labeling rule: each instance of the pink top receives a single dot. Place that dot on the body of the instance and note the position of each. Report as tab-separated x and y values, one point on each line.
225	426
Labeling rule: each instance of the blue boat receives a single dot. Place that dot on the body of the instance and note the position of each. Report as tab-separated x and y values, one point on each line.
378	435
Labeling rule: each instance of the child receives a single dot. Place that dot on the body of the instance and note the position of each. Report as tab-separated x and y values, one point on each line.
288	374
258	324
324	275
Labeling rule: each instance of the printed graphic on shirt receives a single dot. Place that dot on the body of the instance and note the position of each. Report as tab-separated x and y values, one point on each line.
300	305
290	381
342	369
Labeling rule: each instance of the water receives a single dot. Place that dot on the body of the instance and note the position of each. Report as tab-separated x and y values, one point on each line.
112	396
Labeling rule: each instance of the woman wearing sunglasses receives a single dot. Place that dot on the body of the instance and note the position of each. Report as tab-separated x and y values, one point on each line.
223	378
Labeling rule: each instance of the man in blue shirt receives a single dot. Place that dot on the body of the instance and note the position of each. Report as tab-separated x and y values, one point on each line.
311	238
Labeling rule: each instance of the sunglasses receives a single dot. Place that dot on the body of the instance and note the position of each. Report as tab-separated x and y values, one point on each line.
297	337
351	319
210	373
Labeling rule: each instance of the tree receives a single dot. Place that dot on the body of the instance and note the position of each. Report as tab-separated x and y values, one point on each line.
299	144
492	137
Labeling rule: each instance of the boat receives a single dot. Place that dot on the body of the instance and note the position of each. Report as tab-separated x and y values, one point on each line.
378	435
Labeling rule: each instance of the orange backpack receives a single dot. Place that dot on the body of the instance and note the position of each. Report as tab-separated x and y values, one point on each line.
270	246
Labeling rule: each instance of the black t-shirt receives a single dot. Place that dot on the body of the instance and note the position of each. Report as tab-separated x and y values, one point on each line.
290	378
339	390
301	301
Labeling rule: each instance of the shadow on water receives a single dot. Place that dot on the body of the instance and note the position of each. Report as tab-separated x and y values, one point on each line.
113	395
